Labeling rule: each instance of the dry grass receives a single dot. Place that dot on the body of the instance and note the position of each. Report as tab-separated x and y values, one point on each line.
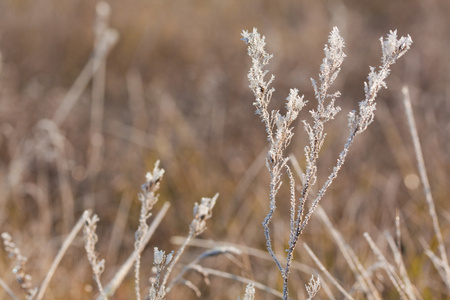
175	89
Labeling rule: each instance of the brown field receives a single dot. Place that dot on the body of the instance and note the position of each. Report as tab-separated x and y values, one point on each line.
174	88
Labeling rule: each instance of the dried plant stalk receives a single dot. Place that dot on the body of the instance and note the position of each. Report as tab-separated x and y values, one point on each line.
279	128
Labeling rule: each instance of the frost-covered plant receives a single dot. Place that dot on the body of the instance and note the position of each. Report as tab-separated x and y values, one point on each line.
280	130
161	262
91	238
148	199
22	277
313	287
249	292
202	212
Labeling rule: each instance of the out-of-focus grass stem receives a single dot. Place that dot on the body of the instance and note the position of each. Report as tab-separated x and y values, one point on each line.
426	184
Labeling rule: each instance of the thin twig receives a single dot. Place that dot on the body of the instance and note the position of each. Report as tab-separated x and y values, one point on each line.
390	270
67	242
112	286
425	182
214	252
108	40
260	286
409	288
352	260
8	290
248	250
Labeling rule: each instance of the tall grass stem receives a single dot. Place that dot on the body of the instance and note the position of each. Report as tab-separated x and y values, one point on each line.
426	183
67	242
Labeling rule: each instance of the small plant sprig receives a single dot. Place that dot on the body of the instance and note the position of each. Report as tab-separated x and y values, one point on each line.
160	261
249	292
202	212
280	131
313	287
91	238
148	199
22	277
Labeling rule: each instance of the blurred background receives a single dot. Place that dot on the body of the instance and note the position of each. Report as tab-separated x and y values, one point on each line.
174	87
